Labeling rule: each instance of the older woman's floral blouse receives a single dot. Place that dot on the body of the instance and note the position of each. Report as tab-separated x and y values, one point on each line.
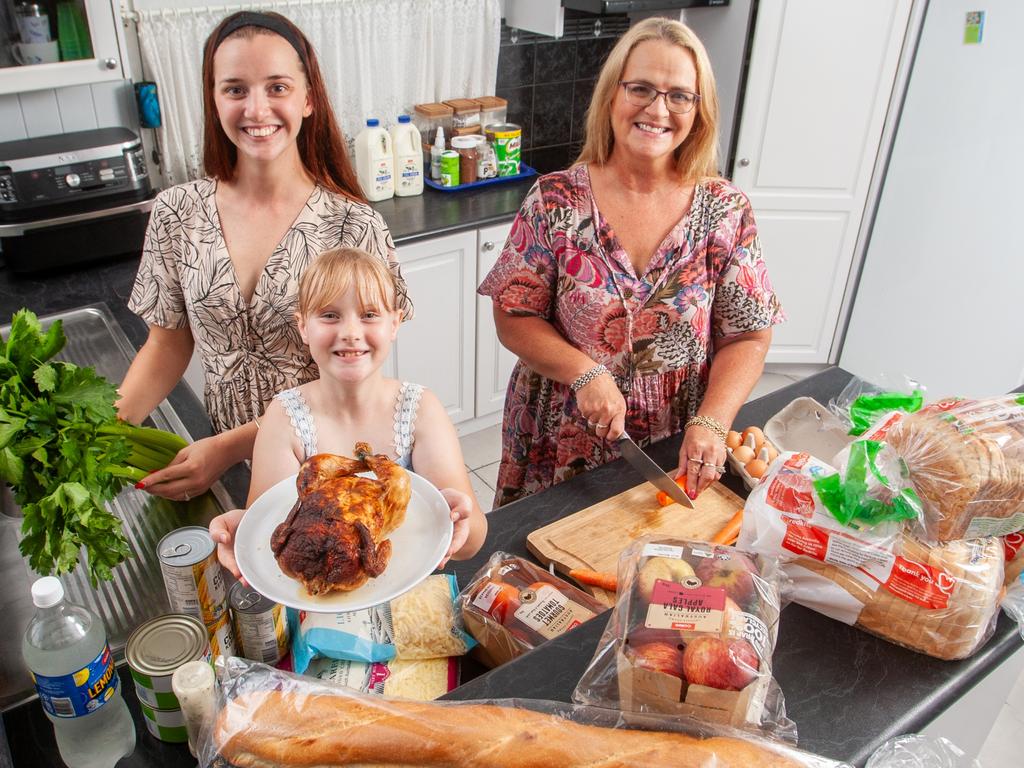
249	351
654	332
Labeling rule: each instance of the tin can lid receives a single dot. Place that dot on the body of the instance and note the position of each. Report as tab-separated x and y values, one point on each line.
186	546
247	600
163	644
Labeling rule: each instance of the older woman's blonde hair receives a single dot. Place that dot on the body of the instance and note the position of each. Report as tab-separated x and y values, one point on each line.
697	156
333	272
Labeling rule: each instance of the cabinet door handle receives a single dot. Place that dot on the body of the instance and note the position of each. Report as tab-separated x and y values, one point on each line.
110	63
488	246
743	162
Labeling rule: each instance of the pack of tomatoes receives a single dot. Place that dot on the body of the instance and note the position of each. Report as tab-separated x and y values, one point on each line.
512	606
692	633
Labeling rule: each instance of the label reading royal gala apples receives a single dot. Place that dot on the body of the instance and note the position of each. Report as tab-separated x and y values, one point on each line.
674	606
836	548
662	550
550	612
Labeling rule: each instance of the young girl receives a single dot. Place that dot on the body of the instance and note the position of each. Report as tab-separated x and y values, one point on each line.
348	316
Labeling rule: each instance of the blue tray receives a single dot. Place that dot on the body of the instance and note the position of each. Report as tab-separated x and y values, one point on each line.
525	172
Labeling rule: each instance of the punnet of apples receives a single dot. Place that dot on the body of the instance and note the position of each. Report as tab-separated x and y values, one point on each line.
692	633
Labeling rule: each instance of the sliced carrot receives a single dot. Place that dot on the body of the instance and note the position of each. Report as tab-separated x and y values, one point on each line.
606	581
664	499
730	531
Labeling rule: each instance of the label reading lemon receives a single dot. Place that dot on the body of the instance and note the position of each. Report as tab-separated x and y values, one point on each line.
81	692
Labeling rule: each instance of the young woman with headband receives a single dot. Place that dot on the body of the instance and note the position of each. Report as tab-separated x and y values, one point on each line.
223	254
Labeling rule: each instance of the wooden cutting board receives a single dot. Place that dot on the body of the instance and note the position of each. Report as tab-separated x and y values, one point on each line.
593	537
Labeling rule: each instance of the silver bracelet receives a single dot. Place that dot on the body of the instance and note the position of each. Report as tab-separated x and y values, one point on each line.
588	376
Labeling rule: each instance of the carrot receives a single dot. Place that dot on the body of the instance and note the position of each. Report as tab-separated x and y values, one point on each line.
664	499
606	581
730	531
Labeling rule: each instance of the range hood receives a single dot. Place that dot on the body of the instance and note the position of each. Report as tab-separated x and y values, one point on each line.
631	6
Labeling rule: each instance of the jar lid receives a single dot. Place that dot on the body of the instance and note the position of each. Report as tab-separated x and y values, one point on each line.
491	102
465	142
463	105
433	110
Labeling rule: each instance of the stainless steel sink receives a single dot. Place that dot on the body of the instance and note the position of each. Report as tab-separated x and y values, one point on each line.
136	592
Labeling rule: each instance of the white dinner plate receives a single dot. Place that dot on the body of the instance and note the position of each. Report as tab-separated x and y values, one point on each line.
416	550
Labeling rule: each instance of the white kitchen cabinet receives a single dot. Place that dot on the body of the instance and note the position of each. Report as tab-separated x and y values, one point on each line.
821	76
436	348
494	363
105	65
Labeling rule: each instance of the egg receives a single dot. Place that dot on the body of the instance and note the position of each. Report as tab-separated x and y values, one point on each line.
756	467
768	454
743	454
758	437
733	440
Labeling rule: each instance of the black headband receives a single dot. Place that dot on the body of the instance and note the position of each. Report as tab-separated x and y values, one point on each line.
266	21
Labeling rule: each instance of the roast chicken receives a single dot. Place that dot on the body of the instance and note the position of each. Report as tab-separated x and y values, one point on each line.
335	537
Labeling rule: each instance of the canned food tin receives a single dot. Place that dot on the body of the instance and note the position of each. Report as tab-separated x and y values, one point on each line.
507	139
192	575
450	168
159	647
222	637
165	724
261	625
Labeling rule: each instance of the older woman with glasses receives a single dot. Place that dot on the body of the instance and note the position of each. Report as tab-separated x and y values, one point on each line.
632	286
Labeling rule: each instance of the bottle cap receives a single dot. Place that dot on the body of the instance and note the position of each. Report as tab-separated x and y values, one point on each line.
373	122
439	137
47	591
404	118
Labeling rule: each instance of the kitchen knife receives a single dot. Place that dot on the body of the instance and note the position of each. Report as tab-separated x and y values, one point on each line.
651	472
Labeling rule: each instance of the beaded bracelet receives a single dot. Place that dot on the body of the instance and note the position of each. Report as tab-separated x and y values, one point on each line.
709	423
588	376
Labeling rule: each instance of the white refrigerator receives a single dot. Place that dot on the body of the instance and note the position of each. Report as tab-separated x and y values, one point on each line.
941	294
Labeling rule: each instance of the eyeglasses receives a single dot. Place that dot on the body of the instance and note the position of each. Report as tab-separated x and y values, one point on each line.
643	95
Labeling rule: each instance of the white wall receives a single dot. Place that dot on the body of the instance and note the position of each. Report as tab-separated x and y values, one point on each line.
61	110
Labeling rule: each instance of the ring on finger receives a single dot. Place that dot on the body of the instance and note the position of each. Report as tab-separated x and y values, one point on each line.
695	460
601	426
187	497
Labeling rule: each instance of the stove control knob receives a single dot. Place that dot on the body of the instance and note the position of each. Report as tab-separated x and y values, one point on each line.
73	179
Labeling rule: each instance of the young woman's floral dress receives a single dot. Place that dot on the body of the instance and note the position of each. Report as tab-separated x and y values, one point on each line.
654	332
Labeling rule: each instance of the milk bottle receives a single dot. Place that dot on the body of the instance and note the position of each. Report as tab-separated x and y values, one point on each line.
375	163
406	141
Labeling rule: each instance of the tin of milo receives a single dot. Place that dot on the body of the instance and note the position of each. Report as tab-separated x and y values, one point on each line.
159	647
507	139
261	625
192	575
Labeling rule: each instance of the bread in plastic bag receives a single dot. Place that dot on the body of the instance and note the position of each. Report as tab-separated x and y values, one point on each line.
692	633
512	605
266	717
420	624
861	403
915	750
940	600
1013	548
965	459
1013	603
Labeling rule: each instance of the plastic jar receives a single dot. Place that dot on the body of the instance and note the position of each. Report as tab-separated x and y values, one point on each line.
429	117
493	110
466	146
465	113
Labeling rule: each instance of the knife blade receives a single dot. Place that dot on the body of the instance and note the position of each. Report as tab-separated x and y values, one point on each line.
651	472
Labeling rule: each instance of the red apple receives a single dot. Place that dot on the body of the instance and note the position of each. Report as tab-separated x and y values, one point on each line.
736	575
659	657
728	665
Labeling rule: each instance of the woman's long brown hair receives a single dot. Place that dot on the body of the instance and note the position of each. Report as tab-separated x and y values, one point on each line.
321	146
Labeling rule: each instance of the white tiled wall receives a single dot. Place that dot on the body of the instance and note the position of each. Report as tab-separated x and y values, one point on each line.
62	110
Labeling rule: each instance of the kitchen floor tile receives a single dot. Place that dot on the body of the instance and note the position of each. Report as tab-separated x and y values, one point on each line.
1002	746
484	492
768	383
489	474
481	448
1015	701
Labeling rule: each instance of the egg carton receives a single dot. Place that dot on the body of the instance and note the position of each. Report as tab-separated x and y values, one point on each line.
738	468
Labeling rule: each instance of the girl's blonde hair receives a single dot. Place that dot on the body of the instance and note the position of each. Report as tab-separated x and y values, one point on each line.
697	156
333	272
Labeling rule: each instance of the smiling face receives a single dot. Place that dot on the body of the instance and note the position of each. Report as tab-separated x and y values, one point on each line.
652	133
349	337
260	95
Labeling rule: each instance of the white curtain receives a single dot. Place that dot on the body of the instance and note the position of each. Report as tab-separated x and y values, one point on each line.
379	58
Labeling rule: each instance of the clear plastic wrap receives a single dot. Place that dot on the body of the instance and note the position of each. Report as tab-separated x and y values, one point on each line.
692	633
1013	603
918	751
965	459
512	605
1013	548
940	600
861	403
421	624
269	718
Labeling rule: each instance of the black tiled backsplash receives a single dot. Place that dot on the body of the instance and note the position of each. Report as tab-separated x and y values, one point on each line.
548	84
